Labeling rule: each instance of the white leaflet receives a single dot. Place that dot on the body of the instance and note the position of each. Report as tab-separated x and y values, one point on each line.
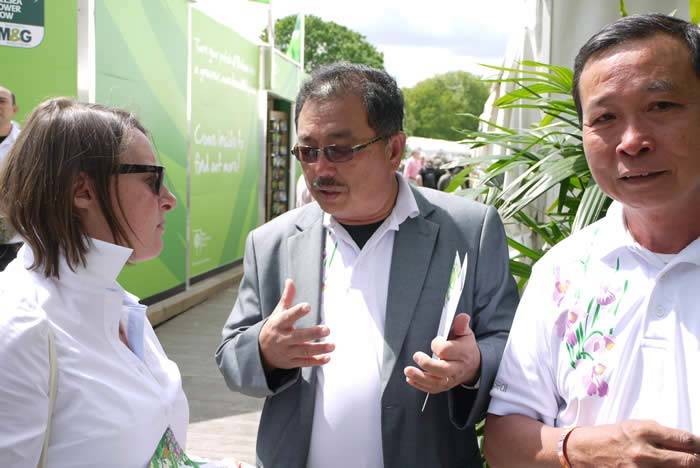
454	292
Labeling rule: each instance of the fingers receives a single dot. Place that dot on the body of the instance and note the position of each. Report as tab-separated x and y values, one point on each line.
460	326
436	367
648	443
673	439
287	298
282	346
302	335
311	361
426	382
455	349
669	458
288	317
306	350
432	375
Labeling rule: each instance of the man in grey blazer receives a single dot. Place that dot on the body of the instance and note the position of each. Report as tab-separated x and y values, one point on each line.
340	301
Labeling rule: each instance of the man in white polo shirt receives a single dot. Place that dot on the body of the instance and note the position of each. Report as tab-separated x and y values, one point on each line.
9	131
341	299
601	364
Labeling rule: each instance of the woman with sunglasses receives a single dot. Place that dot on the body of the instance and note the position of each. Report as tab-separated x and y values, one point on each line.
83	188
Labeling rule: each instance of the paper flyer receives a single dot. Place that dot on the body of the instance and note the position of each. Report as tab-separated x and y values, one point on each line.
454	292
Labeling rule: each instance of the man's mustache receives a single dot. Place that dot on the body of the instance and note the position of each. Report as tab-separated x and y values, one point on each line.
320	182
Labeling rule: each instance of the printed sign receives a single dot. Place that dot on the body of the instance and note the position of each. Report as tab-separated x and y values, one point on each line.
21	23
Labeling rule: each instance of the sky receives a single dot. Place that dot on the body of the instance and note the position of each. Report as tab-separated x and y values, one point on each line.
419	39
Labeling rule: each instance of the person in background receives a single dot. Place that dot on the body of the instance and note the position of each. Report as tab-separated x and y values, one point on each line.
412	167
600	368
9	131
303	196
430	174
83	188
340	302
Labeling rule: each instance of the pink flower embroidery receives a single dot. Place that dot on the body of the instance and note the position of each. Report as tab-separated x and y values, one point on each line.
605	296
598	343
560	288
594	381
566	326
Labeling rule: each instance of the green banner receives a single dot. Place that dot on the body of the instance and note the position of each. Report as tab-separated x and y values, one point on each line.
286	76
296	43
22	22
225	149
141	65
51	69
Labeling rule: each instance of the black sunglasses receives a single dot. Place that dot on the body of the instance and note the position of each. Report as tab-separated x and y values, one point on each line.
155	183
333	153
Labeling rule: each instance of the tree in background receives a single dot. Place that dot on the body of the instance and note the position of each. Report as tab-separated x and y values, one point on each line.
436	107
327	42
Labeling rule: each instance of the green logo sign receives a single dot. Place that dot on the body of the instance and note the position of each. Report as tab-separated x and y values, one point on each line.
21	23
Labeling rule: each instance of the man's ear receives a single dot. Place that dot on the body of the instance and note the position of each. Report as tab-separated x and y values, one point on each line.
83	192
397	145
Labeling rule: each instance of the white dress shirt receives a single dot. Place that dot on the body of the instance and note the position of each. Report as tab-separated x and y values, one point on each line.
606	331
9	141
112	406
346	429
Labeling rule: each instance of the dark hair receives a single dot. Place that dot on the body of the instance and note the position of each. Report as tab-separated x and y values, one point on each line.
381	96
636	27
61	139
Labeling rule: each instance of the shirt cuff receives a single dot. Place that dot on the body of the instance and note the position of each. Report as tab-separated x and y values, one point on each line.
472	387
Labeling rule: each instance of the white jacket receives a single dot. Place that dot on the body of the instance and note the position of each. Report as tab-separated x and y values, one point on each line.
112	407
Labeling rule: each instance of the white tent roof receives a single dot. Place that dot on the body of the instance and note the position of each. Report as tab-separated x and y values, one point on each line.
430	147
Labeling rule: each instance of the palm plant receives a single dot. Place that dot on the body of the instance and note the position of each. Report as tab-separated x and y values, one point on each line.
548	157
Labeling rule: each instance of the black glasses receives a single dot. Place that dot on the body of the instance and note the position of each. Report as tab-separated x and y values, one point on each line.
334	153
155	183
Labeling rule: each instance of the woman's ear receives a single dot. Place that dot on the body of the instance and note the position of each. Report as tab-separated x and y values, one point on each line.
83	192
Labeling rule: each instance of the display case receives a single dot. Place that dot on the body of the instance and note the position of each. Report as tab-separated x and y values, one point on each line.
278	164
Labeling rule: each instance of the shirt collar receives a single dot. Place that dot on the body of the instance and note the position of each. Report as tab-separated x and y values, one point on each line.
103	263
405	207
615	237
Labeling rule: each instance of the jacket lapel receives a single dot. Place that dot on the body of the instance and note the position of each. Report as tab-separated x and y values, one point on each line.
305	252
413	248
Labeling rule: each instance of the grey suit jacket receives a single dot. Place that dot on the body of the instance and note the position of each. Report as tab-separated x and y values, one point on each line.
424	248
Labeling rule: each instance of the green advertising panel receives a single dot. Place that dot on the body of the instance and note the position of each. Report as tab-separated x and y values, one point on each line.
225	148
38	51
141	65
286	77
21	23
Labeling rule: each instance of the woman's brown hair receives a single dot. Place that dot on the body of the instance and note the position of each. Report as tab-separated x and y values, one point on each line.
61	139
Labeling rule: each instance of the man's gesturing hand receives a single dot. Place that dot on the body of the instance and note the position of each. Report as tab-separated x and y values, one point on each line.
284	347
459	360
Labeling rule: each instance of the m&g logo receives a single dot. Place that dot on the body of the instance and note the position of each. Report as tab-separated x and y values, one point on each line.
21	23
15	35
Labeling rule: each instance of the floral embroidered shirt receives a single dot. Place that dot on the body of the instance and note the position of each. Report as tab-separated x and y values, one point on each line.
605	331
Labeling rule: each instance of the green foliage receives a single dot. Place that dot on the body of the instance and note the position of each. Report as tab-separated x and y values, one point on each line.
694	10
548	156
442	106
327	42
623	9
